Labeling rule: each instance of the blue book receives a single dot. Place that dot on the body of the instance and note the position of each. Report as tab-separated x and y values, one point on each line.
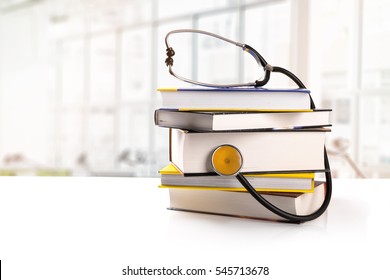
235	99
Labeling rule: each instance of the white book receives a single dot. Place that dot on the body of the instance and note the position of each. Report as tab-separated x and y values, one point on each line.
242	204
238	99
262	151
225	121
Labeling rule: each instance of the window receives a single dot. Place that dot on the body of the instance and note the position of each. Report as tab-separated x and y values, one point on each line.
95	68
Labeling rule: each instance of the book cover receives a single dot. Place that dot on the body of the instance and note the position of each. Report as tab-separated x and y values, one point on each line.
235	99
228	121
262	151
171	177
243	205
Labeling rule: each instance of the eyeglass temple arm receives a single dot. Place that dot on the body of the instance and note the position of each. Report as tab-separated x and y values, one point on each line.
171	52
269	68
260	60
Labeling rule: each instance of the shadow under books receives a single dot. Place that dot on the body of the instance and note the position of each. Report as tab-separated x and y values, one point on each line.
344	217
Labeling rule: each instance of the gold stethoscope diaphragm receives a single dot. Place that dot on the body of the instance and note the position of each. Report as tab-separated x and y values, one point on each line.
226	160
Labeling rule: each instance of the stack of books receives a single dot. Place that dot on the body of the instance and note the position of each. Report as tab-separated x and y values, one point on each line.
280	137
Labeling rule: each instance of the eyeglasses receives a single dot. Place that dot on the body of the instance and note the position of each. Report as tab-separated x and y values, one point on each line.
259	59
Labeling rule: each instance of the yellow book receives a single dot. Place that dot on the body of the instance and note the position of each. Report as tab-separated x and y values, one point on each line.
171	177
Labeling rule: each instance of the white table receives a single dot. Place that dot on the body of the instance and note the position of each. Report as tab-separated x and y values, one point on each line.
92	228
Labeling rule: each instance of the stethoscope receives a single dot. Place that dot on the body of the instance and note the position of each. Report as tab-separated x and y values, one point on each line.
226	159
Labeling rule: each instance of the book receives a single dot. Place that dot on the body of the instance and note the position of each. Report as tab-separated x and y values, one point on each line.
171	177
226	121
262	151
242	204
235	99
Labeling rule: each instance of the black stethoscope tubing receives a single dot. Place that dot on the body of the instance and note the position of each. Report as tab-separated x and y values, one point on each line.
284	214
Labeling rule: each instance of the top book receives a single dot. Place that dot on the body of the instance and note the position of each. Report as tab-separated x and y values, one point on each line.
235	99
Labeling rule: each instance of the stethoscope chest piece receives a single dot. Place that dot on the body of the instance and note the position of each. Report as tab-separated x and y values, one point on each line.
226	160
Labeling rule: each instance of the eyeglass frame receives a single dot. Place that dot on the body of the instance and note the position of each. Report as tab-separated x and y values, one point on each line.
259	59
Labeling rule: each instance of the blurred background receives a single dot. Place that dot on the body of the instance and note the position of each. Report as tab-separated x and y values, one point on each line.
78	78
